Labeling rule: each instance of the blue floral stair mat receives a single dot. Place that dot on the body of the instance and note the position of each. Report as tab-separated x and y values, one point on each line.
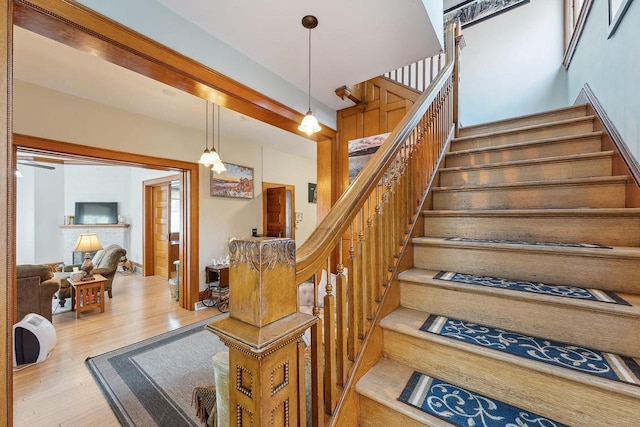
605	365
524	242
533	287
463	408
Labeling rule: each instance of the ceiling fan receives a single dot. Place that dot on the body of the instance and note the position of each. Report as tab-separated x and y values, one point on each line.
31	161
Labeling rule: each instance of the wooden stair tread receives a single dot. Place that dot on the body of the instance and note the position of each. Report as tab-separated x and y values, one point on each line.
559	182
614	252
585	212
525	128
540	160
423	276
526	143
408	322
384	383
540	114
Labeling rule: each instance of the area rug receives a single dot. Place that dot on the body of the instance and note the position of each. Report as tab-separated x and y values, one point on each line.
534	287
522	242
55	306
464	408
150	383
605	365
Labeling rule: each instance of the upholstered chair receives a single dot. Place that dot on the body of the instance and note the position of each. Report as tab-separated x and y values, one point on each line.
105	262
36	286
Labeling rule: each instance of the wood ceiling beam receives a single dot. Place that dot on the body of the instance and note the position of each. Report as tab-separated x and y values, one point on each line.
79	27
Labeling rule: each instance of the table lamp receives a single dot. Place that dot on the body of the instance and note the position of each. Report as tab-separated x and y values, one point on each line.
87	242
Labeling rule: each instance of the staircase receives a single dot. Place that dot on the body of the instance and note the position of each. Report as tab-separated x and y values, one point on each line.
528	212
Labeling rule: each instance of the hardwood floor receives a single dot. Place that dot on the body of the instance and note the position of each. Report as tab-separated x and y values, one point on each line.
61	391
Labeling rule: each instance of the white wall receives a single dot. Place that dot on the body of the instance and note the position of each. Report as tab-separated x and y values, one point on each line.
42	112
512	64
25	216
611	67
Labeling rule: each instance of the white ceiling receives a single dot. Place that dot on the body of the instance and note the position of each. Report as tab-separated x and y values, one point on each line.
354	41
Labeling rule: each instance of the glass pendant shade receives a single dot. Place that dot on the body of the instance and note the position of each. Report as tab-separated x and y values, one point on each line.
309	124
206	159
219	167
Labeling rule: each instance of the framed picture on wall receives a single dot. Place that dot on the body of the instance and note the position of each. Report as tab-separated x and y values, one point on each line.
360	152
617	9
313	193
473	11
236	182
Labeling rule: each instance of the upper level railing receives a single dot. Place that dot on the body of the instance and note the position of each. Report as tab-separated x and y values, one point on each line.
420	74
368	227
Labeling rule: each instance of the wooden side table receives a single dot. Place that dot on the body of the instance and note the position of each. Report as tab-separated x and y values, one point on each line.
87	294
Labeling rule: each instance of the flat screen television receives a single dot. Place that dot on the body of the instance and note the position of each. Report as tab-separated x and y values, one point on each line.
96	213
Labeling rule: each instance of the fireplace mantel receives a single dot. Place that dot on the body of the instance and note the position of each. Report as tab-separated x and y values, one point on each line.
108	234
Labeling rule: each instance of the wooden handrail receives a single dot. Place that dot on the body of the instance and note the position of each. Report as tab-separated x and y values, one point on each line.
313	253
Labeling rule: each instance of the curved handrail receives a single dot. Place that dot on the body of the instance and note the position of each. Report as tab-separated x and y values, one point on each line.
313	253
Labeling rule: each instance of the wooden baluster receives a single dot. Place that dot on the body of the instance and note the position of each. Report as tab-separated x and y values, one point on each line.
360	303
388	219
371	265
352	292
330	383
317	401
381	269
341	319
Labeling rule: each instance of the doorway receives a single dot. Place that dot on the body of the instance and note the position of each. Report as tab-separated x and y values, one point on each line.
278	210
162	224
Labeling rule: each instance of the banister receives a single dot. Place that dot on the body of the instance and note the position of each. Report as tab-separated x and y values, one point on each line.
311	255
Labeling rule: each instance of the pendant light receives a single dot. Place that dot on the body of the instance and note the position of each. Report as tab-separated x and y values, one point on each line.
218	166
309	124
206	158
215	157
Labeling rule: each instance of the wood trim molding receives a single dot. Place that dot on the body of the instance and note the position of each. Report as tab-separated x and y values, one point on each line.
629	164
189	175
8	300
577	33
75	25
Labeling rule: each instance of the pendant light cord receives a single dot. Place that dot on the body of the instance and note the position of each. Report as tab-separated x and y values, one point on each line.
206	127
218	129
309	69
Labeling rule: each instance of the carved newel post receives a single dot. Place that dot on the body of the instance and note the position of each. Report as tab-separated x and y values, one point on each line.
264	334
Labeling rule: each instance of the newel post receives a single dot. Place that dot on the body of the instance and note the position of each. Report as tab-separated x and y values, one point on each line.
264	334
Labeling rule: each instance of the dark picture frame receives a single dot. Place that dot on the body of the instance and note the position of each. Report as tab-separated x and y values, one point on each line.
313	193
473	11
237	182
617	9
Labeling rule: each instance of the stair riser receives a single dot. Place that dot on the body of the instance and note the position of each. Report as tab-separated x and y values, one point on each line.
566	401
551	131
606	332
593	195
583	168
536	151
557	267
374	414
613	231
538	119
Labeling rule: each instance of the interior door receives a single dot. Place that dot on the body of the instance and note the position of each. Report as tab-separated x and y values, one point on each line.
276	212
161	220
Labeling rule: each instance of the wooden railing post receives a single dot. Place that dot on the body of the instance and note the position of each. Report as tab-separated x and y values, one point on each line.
263	332
459	45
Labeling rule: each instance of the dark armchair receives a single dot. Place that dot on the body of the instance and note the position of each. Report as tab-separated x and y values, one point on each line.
36	286
105	262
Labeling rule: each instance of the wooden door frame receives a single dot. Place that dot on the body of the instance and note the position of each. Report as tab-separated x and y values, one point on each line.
288	187
147	214
188	172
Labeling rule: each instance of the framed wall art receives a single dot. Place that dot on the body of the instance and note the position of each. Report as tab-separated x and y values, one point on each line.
617	9
473	11
360	152
236	182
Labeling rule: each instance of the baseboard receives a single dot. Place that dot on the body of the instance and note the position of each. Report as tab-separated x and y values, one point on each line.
626	160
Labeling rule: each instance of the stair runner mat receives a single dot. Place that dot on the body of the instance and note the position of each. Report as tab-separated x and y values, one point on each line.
522	242
605	365
464	408
534	287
